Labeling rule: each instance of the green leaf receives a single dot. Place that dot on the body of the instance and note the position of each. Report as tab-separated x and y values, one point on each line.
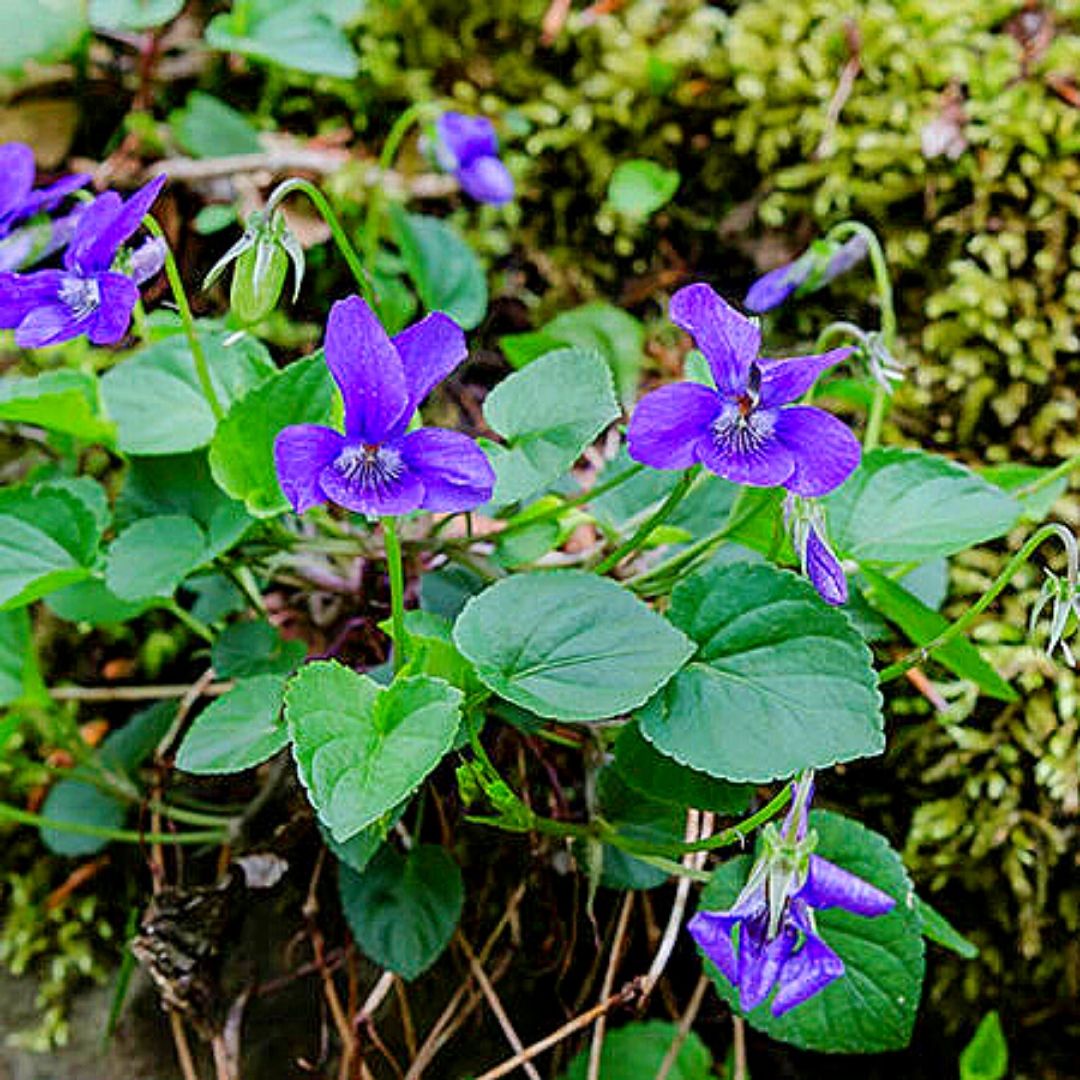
637	817
403	909
432	650
151	557
242	453
986	1057
88	491
238	731
639	188
780	681
1015	478
133	14
91	602
872	1007
254	648
545	425
615	334
907	506
569	645
522	349
658	777
207	128
182	484
296	34
922	625
48	539
360	849
360	749
64	401
156	400
445	591
939	930
445	270
47	31
638	1050
17	660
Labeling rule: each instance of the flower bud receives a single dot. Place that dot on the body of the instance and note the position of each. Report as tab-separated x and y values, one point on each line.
262	256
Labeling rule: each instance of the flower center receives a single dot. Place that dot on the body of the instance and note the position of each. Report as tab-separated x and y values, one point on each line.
81	296
370	466
740	427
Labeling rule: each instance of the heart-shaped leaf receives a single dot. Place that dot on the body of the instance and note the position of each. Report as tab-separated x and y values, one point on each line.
360	749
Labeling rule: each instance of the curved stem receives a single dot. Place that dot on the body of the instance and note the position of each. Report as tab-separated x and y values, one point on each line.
653	522
176	284
376	197
1060	471
1012	568
397	590
887	304
195	625
337	230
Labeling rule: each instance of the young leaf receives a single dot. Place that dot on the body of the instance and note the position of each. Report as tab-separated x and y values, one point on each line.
63	400
938	929
242	452
360	749
446	272
908	506
639	188
208	128
872	1007
239	730
17	660
780	681
157	402
150	558
986	1057
48	539
132	14
569	645
403	909
922	625
639	1049
546	427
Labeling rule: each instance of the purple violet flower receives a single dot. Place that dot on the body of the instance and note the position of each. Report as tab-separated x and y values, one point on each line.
467	147
18	199
805	521
768	938
88	296
379	467
817	266
746	430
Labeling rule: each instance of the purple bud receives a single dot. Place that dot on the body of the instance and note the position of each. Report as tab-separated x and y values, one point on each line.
824	570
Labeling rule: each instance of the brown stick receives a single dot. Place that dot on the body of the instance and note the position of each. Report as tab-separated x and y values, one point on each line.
627	994
596	1049
494	1003
739	1047
685	1024
133	693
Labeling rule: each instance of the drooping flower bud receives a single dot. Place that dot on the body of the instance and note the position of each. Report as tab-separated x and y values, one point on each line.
262	256
805	520
823	261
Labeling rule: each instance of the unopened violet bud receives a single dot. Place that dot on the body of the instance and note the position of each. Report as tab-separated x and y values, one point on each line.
467	147
262	257
821	263
805	520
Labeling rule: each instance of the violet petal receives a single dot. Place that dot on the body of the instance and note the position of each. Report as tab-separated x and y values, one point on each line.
367	370
783	381
301	452
668	423
828	886
455	472
429	350
824	450
729	341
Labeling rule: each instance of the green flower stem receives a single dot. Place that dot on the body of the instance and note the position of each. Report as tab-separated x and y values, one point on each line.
189	817
195	625
652	523
397	590
887	304
172	272
125	836
376	195
1061	471
337	230
1012	568
656	580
